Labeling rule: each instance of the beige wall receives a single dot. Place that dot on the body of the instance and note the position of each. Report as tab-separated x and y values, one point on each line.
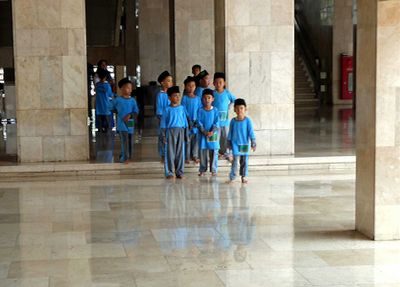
194	37
342	43
154	39
378	120
260	68
50	66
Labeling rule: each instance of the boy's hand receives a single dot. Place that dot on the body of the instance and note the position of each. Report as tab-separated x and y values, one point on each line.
253	148
127	117
164	140
210	134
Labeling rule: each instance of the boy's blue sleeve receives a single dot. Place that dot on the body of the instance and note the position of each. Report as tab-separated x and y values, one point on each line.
109	92
163	124
135	108
216	121
159	110
229	138
199	124
232	98
112	105
250	132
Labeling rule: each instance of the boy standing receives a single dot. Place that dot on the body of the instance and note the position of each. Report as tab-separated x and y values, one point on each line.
196	69
192	104
174	134
203	79
162	101
103	98
241	132
127	111
208	123
222	101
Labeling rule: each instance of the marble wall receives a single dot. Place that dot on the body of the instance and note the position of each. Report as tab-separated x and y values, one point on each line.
342	43
260	68
378	119
50	70
154	39
194	37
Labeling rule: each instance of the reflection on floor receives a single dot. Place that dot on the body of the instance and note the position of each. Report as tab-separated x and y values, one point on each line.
319	132
275	231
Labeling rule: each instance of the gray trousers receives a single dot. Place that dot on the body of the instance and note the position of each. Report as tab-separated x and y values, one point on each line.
192	147
175	152
223	140
244	166
206	154
126	146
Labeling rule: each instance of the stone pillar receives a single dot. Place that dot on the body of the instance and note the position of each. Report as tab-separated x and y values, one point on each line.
260	68
378	119
154	39
50	71
342	43
194	37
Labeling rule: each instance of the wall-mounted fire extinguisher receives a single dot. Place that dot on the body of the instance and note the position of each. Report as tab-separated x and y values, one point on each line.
347	77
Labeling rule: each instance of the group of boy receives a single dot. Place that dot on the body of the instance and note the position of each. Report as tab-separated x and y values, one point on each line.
196	127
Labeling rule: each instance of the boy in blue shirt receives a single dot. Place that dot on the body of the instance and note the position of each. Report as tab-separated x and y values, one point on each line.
208	124
222	101
241	132
174	126
203	79
192	104
127	110
103	98
162	101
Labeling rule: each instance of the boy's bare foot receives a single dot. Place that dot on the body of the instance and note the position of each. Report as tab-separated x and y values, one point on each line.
229	158
244	180
201	174
170	177
230	181
180	177
196	160
187	161
214	174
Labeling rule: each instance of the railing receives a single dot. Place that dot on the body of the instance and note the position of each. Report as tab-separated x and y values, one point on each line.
308	52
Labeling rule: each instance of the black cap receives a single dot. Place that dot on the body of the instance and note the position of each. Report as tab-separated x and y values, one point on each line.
240	102
101	73
124	81
219	75
173	90
202	74
189	79
162	76
208	92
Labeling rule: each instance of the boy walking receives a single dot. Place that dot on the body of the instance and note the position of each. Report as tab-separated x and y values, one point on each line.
162	101
208	124
127	110
174	126
223	100
241	132
103	98
192	104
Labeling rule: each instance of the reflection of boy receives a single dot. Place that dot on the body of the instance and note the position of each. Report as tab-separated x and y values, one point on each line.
223	100
127	111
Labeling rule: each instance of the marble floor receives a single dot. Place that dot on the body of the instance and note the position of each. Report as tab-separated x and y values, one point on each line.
288	230
325	131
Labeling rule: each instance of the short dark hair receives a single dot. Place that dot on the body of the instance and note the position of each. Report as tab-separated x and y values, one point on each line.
207	92
240	102
189	79
196	66
101	73
123	82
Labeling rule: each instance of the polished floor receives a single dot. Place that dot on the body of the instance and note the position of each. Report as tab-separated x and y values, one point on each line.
288	230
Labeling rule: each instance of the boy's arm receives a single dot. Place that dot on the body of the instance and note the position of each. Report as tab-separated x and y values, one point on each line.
215	126
252	136
229	137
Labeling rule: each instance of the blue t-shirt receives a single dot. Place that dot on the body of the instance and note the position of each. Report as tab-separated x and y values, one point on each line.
192	106
103	98
162	103
199	91
222	102
174	117
125	106
240	134
208	121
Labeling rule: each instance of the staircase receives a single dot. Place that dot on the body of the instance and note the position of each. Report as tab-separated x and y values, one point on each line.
305	97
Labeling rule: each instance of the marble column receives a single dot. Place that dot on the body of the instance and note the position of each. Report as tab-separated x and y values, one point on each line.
342	43
378	119
50	70
259	55
194	37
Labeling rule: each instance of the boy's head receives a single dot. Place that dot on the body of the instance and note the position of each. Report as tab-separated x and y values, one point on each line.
165	80
173	95
102	74
219	81
126	86
207	97
102	64
196	70
240	107
190	85
204	79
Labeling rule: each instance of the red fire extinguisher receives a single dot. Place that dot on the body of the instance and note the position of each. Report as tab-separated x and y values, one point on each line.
347	77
